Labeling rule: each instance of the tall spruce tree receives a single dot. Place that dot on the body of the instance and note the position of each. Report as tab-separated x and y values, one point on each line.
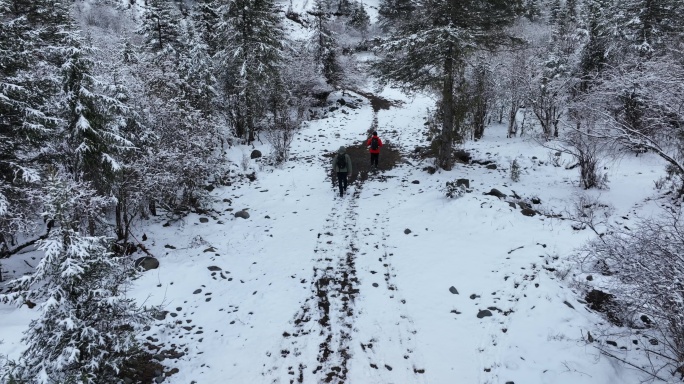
250	56
429	52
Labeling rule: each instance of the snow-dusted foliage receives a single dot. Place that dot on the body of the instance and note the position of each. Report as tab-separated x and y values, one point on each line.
647	266
84	331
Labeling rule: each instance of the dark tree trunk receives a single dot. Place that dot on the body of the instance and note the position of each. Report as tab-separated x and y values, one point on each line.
446	137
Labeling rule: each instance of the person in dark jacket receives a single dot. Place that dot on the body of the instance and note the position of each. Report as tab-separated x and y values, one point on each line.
342	166
374	144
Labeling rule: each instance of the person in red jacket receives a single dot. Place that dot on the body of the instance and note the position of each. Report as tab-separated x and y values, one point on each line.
374	144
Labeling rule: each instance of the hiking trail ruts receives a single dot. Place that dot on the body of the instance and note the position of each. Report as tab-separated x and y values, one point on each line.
316	347
355	318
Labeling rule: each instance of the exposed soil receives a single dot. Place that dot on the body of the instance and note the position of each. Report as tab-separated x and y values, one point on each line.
390	157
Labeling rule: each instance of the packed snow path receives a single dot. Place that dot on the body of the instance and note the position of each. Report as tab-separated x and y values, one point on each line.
393	283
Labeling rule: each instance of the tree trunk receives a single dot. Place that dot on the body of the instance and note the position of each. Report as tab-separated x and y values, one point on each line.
446	138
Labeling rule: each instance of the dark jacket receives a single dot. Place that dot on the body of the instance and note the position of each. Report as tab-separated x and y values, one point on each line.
348	168
379	145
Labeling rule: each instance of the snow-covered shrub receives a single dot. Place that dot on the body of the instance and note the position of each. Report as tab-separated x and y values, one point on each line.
454	190
515	170
589	212
85	330
646	265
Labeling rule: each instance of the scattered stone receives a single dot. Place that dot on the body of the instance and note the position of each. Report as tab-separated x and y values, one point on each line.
147	263
528	212
463	182
407	231
375	285
453	290
159	315
524	205
255	154
491	166
169	246
611	342
415	182
568	304
210	249
474	296
536	200
590	277
198	290
242	214
496	192
484	313
203	220
214	268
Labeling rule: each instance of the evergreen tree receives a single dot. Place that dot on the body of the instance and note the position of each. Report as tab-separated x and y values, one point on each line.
250	57
429	52
205	19
83	333
161	24
359	18
391	13
93	142
649	26
324	45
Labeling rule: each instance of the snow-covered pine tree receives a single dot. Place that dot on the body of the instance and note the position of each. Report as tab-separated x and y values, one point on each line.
27	83
429	52
93	141
84	333
250	56
324	45
178	121
391	13
161	23
358	18
649	27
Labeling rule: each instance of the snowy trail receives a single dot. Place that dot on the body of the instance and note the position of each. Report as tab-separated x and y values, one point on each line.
316	347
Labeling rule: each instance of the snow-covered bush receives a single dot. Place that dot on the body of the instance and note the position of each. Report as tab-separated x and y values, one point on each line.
646	265
454	189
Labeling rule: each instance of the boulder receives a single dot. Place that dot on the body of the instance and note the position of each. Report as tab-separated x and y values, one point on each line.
242	214
463	182
491	166
255	154
147	263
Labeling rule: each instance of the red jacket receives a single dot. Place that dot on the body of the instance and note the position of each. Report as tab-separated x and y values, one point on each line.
379	145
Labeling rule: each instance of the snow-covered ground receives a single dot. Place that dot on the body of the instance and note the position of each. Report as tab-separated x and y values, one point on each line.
393	283
313	287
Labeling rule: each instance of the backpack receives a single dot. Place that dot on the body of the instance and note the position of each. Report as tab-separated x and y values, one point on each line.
374	143
341	161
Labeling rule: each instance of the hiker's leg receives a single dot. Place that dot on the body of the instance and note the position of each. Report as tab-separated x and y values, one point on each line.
344	180
340	177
